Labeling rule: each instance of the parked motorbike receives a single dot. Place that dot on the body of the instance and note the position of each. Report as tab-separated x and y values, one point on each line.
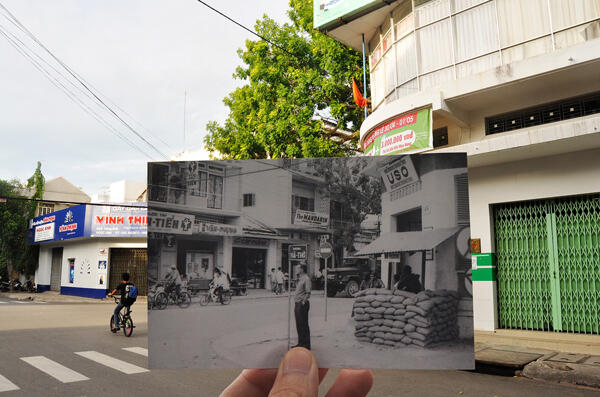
4	285
238	286
17	285
30	286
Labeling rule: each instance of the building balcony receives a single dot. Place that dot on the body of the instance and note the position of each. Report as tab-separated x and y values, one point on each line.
462	105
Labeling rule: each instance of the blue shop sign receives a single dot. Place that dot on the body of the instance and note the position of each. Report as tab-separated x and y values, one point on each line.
89	221
60	225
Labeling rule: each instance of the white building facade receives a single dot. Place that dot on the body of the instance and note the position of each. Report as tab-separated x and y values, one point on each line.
516	85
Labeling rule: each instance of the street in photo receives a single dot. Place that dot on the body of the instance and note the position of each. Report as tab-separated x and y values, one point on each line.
365	261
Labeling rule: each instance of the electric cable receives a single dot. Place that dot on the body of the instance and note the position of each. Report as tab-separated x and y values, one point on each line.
81	81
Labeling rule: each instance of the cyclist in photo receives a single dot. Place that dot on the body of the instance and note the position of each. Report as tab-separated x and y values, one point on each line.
174	280
219	284
125	289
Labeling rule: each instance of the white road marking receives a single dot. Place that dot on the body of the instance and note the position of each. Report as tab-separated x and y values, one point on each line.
2	302
137	350
111	362
54	369
6	385
18	302
39	302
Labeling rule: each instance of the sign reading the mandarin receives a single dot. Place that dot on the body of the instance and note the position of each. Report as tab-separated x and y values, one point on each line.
410	133
326	11
310	218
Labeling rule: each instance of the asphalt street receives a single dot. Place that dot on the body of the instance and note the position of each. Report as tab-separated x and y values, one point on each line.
253	333
39	360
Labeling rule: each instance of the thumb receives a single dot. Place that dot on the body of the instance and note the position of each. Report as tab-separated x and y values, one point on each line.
298	375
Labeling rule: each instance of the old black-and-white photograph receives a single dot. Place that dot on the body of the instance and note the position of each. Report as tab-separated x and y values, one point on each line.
365	261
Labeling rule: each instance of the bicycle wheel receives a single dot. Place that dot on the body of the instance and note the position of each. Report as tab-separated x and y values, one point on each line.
161	301
204	299
184	300
127	327
226	298
111	323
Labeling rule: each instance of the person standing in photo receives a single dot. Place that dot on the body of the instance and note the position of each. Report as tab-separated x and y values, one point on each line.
302	306
279	280
273	280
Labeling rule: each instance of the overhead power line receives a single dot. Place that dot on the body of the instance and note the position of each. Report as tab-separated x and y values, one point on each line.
244	27
86	86
18	45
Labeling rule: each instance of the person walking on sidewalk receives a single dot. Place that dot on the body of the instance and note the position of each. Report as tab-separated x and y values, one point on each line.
279	278
302	306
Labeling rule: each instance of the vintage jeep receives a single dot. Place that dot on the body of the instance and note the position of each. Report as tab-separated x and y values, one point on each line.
348	277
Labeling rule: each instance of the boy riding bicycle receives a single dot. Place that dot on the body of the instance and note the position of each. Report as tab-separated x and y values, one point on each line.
128	296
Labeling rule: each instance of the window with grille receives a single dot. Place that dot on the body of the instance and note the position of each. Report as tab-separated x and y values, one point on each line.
249	199
461	189
303	203
45	209
544	114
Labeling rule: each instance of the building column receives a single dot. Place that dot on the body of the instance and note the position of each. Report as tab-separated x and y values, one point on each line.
227	253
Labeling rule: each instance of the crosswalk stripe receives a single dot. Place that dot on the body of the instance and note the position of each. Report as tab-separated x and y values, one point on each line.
6	385
54	369
112	362
137	350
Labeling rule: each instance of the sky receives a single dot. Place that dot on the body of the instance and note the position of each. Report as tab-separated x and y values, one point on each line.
144	56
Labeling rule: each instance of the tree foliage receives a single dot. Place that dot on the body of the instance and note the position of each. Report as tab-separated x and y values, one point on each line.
355	195
15	253
297	97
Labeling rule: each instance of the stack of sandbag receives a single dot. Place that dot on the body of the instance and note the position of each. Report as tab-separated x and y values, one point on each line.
402	318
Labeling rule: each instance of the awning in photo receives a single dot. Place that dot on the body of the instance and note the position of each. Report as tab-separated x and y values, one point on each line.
407	241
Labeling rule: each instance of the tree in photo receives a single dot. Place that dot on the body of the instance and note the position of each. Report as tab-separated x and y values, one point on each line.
353	195
297	97
15	252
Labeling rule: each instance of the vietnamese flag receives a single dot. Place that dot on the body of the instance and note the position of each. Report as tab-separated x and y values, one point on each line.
358	98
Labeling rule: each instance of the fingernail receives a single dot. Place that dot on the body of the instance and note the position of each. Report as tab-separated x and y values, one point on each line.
297	360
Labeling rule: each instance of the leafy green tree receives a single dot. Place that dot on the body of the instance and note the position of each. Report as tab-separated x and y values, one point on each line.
297	98
15	252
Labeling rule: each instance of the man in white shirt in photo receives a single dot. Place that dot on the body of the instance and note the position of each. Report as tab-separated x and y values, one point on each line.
302	306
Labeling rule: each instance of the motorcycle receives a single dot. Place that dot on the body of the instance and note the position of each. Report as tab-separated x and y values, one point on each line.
238	286
17	286
30	286
4	285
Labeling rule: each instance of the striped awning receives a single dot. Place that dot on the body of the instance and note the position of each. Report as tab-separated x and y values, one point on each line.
407	241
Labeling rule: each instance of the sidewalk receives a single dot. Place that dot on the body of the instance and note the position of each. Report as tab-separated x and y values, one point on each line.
55	296
556	357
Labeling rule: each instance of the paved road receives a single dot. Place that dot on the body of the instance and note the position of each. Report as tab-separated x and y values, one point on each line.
80	361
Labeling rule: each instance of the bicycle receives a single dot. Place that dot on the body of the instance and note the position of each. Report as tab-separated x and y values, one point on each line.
157	297
125	321
183	299
224	298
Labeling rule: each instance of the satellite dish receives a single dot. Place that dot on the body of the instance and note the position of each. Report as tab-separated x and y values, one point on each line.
463	243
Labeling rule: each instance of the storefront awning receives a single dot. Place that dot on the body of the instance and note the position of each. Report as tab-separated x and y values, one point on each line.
407	241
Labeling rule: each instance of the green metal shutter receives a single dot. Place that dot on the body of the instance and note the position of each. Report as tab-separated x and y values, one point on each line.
548	258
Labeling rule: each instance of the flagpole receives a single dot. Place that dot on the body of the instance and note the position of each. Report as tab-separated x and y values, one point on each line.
364	73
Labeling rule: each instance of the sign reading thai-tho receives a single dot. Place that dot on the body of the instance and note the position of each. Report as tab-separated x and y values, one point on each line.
399	173
169	222
326	11
410	133
309	218
217	229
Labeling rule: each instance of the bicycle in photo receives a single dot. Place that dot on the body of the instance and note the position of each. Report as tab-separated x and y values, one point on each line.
125	321
182	299
223	298
157	297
